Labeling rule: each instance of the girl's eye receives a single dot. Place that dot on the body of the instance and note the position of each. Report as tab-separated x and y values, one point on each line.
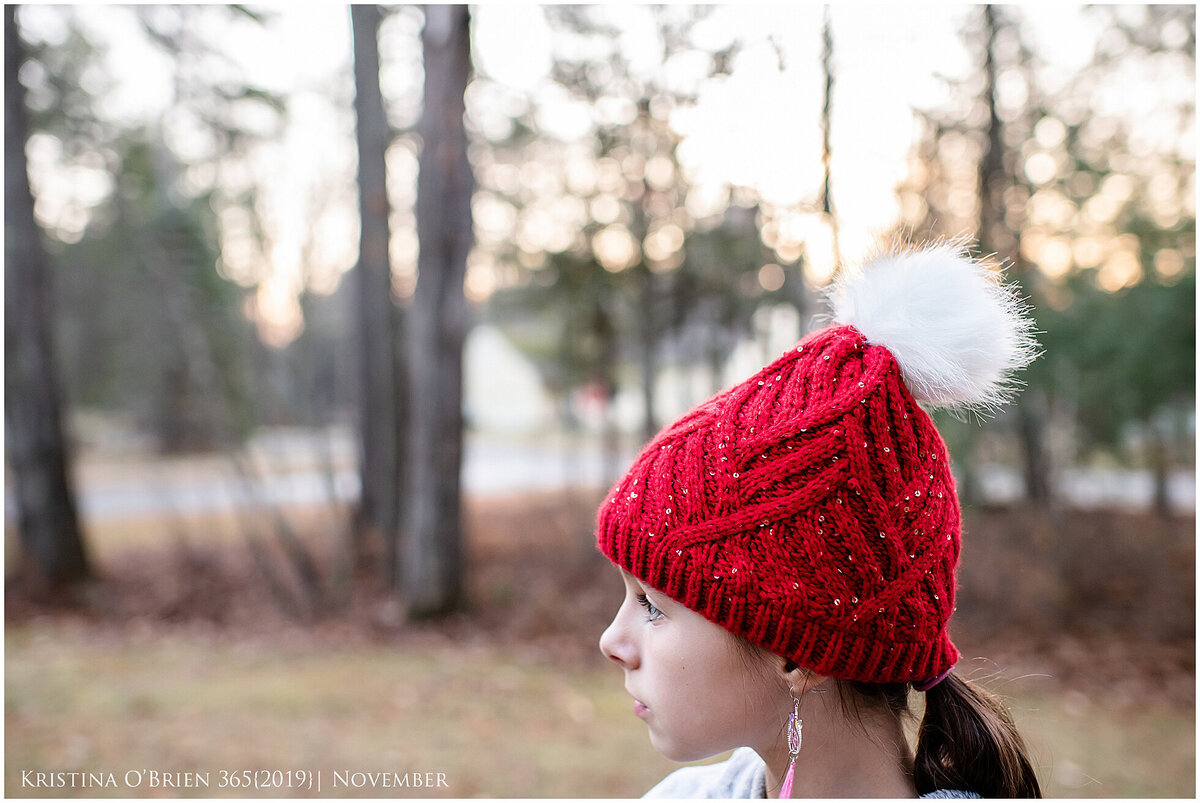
652	612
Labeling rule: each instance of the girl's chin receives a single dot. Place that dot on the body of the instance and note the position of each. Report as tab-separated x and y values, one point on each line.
672	750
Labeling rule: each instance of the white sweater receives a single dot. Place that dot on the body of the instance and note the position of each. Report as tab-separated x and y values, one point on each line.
742	775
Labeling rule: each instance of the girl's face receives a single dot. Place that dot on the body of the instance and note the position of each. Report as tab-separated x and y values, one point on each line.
699	691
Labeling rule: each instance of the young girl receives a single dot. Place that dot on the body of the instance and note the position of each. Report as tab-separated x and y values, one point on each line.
788	551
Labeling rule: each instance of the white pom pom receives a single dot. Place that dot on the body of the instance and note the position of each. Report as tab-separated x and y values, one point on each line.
956	331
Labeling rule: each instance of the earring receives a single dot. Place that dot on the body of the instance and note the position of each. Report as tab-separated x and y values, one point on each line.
794	733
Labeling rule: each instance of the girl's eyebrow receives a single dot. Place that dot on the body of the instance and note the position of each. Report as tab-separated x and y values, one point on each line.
630	581
633	582
661	600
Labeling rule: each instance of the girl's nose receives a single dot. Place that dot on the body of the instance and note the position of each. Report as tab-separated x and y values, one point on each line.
615	644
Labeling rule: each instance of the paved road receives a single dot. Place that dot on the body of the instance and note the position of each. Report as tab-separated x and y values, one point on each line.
492	466
292	473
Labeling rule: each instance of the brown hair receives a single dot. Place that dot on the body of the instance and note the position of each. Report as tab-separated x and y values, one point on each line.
966	741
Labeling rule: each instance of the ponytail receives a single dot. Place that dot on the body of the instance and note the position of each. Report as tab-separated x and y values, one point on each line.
968	741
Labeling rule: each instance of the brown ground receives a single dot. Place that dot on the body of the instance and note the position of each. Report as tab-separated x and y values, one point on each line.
1102	603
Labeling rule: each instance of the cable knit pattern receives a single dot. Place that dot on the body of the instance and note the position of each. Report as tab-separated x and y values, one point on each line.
809	509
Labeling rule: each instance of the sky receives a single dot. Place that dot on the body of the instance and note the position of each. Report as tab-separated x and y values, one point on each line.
759	127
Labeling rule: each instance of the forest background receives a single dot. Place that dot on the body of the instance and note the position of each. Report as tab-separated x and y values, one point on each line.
327	327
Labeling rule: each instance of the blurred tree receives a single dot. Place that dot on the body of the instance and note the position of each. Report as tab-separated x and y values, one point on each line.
1124	305
566	320
214	104
720	288
826	128
998	233
1089	199
627	261
383	400
181	373
147	247
64	121
147	250
438	321
1137	365
661	278
972	163
34	444
205	342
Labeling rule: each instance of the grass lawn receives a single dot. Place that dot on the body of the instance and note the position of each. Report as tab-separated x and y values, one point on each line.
496	722
496	725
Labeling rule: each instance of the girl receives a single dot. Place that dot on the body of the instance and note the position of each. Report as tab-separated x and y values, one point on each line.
788	552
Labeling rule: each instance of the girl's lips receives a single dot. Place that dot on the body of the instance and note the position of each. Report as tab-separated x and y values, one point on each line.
639	708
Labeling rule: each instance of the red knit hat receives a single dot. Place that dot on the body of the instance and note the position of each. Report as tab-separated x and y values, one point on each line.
811	508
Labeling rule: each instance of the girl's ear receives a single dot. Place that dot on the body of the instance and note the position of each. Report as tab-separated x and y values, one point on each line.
800	680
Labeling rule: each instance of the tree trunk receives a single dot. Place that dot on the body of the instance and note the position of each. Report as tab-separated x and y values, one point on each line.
46	517
995	237
648	303
433	555
647	298
991	169
1160	466
382	399
826	126
798	295
610	434
1032	415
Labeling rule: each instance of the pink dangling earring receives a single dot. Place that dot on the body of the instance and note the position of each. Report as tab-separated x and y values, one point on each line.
794	732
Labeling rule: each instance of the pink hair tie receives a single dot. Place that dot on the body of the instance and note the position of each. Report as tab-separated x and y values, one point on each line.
926	685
